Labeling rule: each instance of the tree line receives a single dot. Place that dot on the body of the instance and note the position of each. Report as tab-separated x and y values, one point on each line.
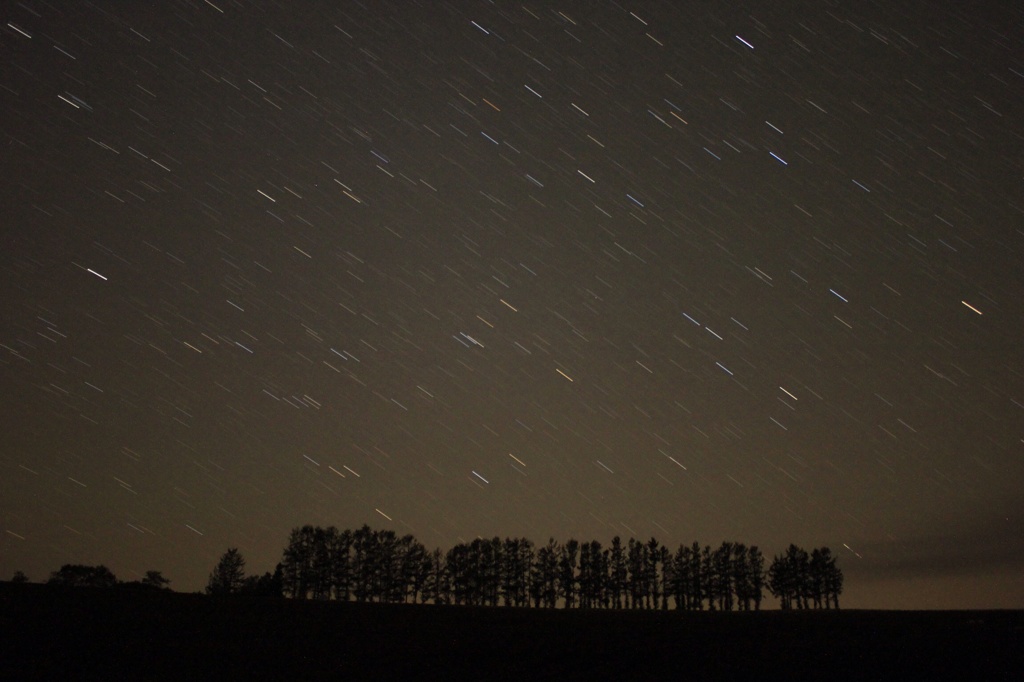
368	565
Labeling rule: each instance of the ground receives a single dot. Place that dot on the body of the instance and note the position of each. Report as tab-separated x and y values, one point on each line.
83	633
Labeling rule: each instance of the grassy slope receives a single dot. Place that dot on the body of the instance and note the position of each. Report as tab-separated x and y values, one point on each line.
120	634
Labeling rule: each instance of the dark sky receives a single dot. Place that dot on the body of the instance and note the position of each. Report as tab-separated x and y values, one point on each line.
690	270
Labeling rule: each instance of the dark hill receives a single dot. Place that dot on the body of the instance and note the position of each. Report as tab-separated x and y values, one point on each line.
48	633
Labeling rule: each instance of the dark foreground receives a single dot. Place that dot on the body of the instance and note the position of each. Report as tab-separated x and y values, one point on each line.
49	633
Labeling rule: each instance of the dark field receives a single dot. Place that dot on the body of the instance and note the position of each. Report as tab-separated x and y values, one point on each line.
50	633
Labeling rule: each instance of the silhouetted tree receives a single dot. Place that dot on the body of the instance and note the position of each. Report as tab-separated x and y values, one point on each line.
386	552
414	569
683	582
155	579
709	577
789	578
516	559
593	575
825	579
339	556
665	561
19	578
437	587
833	584
297	562
544	575
755	576
636	563
567	559
738	568
781	582
816	578
228	575
457	565
678	578
321	568
487	556
652	576
721	566
799	561
364	563
603	578
617	573
271	584
463	570
698	574
77	575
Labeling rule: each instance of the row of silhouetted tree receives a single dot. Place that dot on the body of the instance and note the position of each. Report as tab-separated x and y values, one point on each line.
368	565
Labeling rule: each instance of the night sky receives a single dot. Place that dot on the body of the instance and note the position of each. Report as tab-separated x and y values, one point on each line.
690	270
